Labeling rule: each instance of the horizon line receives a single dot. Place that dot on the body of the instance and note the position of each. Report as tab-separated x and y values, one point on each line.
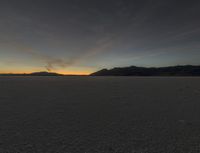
87	74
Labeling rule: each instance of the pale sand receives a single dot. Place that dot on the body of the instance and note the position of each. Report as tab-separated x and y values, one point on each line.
99	115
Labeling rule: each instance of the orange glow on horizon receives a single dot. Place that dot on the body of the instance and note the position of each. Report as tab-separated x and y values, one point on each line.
74	73
60	72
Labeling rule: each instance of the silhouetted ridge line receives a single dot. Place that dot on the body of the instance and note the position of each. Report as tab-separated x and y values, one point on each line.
33	74
45	74
185	70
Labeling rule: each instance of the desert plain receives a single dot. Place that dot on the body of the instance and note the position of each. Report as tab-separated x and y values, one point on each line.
99	114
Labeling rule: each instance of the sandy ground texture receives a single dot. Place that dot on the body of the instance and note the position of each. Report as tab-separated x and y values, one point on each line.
99	115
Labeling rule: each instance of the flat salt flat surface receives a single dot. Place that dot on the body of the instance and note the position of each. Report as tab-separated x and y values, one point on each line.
99	115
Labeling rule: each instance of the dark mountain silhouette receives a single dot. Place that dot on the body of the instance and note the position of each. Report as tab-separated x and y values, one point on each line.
33	74
185	70
45	74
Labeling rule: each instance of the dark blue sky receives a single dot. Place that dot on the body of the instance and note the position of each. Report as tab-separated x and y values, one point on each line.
82	36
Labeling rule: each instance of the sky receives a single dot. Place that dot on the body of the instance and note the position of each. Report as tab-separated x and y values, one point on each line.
83	36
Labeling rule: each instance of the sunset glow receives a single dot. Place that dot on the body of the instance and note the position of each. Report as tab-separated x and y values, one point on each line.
79	37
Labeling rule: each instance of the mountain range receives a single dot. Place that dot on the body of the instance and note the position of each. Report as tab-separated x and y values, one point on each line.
183	70
33	74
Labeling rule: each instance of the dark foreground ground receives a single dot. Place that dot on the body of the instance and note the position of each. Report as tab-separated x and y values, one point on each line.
99	115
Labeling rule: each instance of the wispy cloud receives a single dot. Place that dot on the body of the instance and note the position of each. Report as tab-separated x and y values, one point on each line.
50	62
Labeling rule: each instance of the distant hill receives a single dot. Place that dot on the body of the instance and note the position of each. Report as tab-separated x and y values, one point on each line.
45	74
185	70
33	74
